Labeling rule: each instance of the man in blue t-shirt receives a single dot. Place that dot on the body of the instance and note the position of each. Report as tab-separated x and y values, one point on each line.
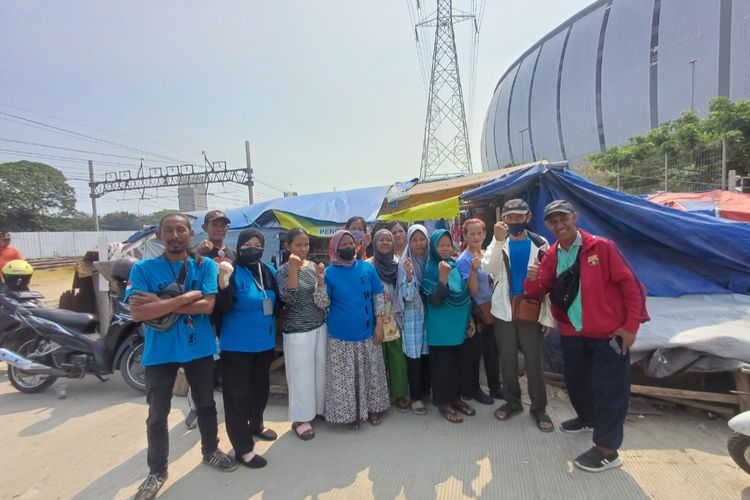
178	334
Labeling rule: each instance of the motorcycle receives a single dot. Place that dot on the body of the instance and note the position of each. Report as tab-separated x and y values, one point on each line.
739	444
49	344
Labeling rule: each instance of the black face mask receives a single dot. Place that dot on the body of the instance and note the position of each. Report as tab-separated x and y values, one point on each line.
346	253
250	255
516	228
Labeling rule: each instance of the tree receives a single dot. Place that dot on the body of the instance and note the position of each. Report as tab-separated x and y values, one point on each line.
639	165
154	218
31	193
120	221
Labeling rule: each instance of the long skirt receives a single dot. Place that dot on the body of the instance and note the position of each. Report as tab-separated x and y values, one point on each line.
305	361
395	368
356	383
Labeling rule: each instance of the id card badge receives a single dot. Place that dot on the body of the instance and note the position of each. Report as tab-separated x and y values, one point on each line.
267	307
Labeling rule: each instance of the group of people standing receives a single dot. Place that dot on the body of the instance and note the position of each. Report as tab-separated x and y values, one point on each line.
396	316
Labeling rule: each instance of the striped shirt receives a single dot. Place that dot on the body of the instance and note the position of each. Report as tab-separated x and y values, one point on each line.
305	307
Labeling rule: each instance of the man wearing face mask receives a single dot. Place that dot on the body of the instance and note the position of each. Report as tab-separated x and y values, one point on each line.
507	259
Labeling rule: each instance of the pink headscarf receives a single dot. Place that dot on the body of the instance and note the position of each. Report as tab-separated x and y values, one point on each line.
332	249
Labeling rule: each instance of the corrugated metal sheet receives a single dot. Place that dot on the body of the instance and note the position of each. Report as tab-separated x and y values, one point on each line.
63	244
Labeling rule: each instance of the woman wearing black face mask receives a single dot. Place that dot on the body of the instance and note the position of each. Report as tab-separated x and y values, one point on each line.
248	342
356	385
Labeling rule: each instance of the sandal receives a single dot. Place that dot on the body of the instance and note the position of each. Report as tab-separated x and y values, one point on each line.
450	415
266	434
418	407
303	430
375	418
507	411
402	404
543	422
353	426
464	408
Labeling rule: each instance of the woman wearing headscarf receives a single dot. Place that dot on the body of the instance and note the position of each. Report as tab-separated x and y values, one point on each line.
246	302
386	266
410	304
356	386
305	297
447	321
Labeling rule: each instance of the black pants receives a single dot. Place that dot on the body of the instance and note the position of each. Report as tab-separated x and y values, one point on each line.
598	382
481	345
159	384
445	367
246	383
418	372
510	336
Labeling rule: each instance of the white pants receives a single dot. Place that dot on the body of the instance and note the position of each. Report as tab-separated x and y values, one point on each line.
305	364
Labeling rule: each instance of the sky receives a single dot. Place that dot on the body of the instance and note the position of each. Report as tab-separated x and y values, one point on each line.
329	93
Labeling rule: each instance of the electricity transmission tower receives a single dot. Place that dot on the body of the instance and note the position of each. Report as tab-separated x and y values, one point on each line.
445	148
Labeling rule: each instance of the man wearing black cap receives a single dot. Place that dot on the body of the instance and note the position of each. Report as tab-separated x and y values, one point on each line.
599	305
216	226
7	251
507	259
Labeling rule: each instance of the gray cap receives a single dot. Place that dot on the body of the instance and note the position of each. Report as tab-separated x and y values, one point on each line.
558	206
515	206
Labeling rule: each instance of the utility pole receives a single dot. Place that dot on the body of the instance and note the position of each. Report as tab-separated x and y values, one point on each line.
692	83
92	186
249	173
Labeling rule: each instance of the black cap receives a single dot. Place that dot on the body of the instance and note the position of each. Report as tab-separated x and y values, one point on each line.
558	206
515	206
4	235
215	215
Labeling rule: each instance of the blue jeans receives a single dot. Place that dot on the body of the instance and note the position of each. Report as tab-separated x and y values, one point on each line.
598	382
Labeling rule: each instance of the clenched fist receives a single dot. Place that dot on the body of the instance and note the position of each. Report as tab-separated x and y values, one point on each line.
445	270
408	269
501	230
320	271
225	271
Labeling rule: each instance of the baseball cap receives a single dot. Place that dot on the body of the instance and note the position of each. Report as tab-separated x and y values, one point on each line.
515	206
4	235
215	215
558	206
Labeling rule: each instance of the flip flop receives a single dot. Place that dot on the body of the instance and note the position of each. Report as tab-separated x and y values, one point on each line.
464	408
542	418
508	412
307	432
353	426
402	404
418	408
375	418
450	416
266	434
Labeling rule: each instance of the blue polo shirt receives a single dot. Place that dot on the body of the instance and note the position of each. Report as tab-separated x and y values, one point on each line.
181	343
350	289
463	263
246	328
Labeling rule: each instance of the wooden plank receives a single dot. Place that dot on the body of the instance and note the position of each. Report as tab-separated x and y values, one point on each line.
723	410
742	383
715	397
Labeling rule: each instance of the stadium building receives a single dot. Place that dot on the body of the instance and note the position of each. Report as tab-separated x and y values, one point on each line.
616	69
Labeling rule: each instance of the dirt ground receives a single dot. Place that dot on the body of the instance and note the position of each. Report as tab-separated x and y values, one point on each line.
52	283
86	439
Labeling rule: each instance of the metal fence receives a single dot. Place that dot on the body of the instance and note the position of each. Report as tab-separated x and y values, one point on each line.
63	244
698	170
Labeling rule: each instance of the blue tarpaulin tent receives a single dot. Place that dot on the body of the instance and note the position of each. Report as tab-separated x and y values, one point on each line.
673	253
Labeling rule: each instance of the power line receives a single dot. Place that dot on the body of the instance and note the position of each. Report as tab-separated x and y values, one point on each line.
82	151
86	137
96	128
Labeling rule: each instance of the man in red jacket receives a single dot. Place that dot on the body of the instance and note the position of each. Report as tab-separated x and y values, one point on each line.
596	331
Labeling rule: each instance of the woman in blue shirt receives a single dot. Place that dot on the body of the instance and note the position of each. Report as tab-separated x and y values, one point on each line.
356	386
248	342
446	322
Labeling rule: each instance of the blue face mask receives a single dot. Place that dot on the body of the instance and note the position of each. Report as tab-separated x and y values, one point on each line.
516	228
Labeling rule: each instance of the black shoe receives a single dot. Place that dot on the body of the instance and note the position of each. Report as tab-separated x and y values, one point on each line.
254	463
266	434
151	486
575	425
220	461
191	421
496	393
482	397
595	461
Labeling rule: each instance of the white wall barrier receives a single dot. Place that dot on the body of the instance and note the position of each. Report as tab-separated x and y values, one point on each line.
63	244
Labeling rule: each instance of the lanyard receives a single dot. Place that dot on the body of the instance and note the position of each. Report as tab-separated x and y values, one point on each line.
260	285
169	265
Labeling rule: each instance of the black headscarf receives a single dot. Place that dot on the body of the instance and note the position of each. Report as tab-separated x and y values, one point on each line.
385	264
269	282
